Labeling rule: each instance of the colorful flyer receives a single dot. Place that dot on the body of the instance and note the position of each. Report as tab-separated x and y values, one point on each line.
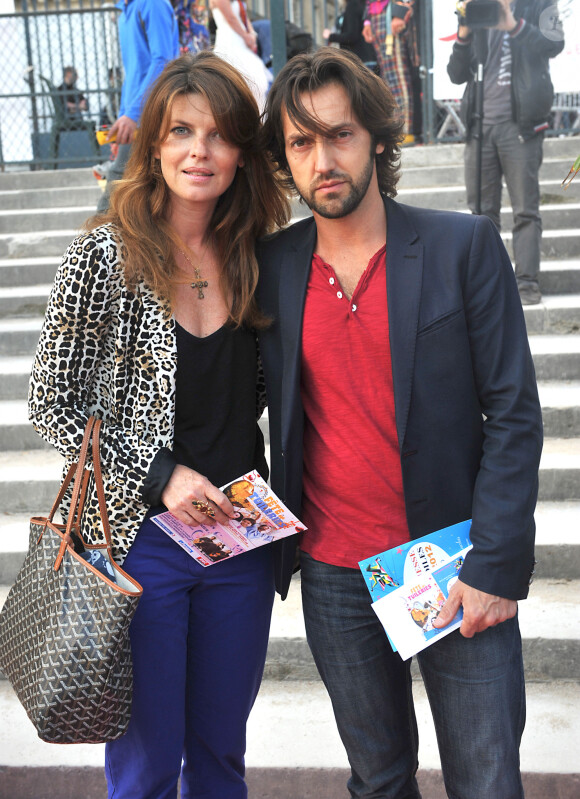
260	519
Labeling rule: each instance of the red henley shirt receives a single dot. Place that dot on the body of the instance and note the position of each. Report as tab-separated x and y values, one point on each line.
353	488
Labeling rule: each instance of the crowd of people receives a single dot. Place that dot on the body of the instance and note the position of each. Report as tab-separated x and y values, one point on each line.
390	345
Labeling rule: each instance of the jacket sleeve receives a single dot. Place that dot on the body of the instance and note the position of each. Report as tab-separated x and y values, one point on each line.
79	324
506	486
159	28
351	30
459	66
535	43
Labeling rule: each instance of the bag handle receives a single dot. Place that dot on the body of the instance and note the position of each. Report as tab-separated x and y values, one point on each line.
82	475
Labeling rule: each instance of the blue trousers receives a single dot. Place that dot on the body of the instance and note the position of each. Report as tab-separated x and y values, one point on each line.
475	688
199	640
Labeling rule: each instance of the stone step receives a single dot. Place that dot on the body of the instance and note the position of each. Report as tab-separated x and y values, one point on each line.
557	277
52	243
294	750
19	336
46	179
29	480
556	244
557	542
560	470
550	633
56	197
559	313
454	198
555	314
560	408
565	149
30	271
452	173
14	377
24	300
17	433
556	357
44	219
555	216
560	411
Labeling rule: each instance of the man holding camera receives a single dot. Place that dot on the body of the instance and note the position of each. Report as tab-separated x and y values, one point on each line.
517	100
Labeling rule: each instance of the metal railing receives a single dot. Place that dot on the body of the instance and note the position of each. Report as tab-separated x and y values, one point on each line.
37	43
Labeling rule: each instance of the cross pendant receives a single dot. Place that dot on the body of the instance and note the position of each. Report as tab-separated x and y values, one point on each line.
199	285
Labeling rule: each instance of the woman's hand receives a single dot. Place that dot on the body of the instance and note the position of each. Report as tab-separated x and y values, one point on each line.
187	486
251	40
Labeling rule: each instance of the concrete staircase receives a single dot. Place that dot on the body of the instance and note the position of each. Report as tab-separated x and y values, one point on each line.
293	749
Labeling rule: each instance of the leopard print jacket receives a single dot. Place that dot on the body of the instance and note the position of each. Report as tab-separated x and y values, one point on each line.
112	353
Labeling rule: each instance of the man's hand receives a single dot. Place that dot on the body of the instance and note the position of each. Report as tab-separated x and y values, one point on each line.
463	31
480	610
507	21
397	26
125	128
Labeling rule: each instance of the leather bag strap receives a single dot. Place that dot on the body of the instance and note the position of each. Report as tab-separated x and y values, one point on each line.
79	492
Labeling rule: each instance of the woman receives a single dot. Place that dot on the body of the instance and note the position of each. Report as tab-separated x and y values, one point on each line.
236	41
150	326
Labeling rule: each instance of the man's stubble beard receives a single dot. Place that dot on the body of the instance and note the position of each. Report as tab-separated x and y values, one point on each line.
351	202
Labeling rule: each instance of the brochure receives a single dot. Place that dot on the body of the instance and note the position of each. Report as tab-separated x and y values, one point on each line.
260	519
410	583
390	569
407	613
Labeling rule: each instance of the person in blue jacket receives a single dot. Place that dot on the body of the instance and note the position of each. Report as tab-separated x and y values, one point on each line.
149	38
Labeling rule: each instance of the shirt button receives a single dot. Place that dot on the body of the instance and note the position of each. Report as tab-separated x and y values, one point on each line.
354	308
331	281
339	295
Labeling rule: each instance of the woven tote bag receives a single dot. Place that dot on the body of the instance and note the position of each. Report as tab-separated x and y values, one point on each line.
64	629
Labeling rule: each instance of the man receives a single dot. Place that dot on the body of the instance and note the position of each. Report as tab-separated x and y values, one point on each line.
517	100
148	37
402	399
73	100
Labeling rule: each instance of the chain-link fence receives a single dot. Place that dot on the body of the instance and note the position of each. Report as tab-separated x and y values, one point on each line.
62	81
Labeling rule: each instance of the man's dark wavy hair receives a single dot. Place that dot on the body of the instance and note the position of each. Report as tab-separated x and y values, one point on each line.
371	100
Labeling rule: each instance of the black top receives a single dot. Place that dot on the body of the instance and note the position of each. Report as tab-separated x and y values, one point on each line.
215	429
215	403
350	36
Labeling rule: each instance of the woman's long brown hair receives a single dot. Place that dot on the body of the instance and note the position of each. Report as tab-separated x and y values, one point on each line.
252	206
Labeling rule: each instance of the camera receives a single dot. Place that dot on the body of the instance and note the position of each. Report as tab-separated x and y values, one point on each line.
481	14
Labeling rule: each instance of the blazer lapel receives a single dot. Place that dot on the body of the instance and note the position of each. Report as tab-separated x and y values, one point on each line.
294	273
404	279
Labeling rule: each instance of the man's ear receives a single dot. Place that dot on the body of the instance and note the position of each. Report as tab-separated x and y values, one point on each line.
380	148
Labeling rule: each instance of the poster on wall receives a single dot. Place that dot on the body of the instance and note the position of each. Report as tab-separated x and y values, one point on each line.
557	22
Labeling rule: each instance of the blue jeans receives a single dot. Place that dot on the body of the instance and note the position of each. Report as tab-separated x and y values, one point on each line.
199	640
475	688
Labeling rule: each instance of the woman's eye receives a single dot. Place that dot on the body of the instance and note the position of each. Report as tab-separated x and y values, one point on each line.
179	130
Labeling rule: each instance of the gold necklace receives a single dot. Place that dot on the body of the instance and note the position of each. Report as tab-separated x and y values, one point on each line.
199	283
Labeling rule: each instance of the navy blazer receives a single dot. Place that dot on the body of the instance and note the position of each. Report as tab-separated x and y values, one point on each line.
466	402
